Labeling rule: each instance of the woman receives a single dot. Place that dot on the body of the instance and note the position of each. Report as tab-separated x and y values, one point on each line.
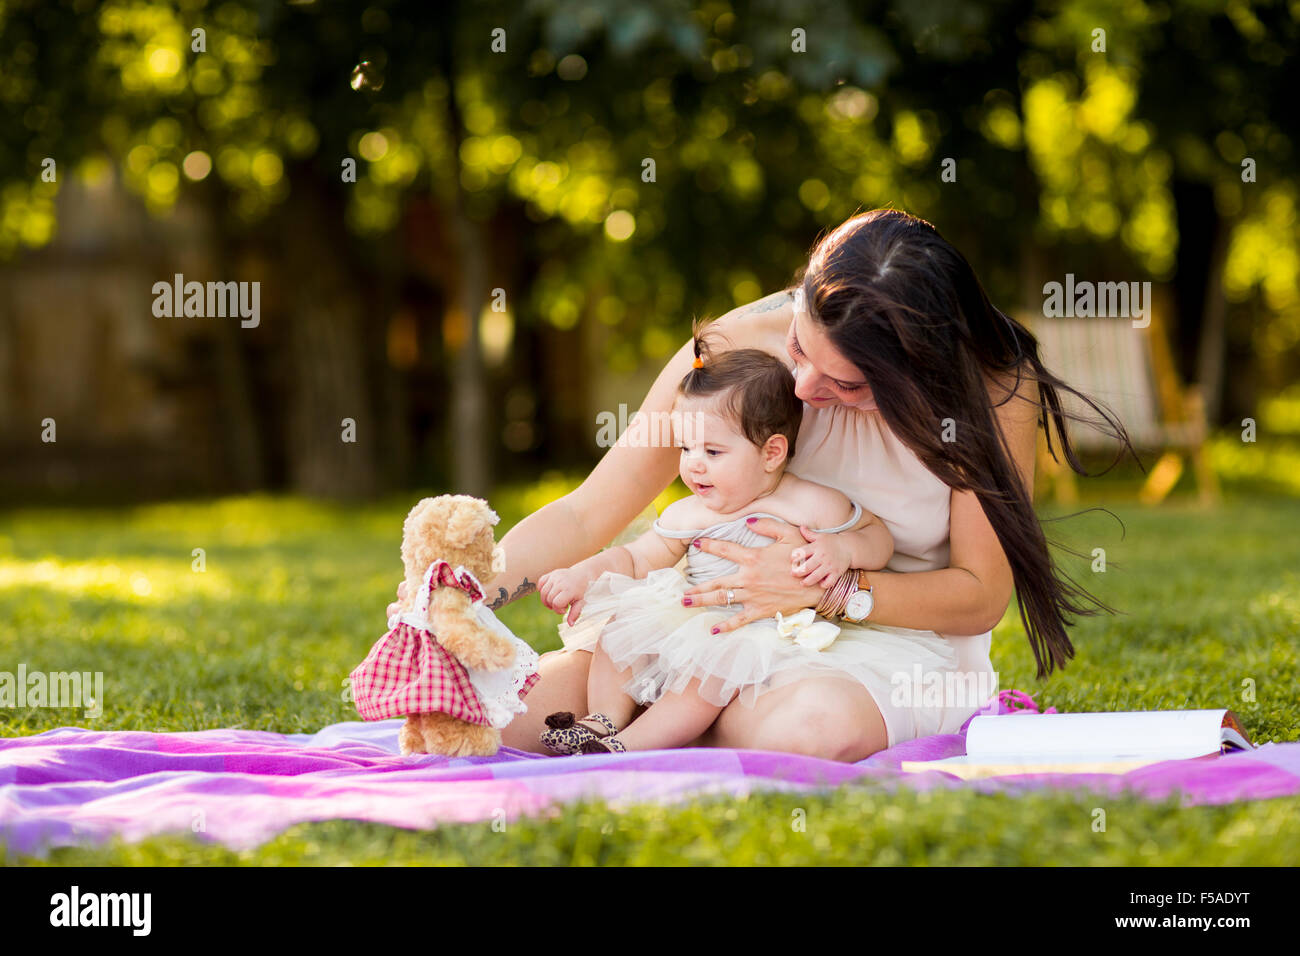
922	403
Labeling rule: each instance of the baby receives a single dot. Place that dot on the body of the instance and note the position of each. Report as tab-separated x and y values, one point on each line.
737	418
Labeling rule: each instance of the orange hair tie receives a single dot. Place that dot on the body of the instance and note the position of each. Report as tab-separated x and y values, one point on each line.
698	363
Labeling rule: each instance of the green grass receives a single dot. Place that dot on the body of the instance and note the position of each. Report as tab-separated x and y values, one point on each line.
294	593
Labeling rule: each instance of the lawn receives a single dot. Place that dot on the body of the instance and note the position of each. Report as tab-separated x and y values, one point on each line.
292	594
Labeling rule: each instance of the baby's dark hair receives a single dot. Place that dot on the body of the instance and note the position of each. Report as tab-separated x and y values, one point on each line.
759	390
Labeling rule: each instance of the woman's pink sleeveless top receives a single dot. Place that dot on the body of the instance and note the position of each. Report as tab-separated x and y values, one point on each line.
855	451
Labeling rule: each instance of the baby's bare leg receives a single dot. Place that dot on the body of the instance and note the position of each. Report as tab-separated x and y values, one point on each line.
605	693
674	720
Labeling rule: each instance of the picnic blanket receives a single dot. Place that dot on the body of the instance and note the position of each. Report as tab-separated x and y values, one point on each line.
75	786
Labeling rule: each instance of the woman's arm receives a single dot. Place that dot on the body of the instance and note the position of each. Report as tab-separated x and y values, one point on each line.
967	597
973	592
622	485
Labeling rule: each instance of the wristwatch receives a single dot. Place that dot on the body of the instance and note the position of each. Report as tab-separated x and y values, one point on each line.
860	600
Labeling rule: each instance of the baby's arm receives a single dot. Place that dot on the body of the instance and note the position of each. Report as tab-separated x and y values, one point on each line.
562	590
867	545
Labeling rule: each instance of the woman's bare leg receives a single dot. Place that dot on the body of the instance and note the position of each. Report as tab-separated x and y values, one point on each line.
674	720
562	685
827	717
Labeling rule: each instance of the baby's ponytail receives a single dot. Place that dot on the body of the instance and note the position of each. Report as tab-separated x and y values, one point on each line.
704	354
756	389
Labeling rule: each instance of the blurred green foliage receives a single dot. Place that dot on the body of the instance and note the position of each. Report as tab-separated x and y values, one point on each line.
1263	455
756	143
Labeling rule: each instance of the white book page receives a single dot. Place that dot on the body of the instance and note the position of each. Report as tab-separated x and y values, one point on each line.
1166	734
1030	760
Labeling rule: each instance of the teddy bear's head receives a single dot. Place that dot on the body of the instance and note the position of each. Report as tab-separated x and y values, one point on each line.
455	528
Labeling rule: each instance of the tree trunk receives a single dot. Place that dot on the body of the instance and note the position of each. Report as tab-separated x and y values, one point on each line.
468	425
241	430
393	455
1214	333
1198	224
326	357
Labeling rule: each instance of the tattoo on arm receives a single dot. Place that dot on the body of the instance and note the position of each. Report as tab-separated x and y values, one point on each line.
525	587
773	301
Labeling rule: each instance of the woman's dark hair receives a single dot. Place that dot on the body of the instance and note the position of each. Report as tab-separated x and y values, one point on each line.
757	390
903	305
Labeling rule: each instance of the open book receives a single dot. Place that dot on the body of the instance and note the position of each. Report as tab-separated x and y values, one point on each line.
1088	743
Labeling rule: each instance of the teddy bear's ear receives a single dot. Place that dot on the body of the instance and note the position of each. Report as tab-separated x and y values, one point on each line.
463	527
418	513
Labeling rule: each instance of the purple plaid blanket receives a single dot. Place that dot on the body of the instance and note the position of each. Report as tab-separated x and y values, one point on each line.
74	786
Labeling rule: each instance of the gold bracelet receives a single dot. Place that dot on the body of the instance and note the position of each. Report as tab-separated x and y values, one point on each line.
850	587
822	604
844	593
836	597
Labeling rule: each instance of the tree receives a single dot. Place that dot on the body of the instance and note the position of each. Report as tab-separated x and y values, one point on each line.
617	167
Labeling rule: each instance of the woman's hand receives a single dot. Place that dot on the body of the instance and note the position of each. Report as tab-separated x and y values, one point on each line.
822	562
763	583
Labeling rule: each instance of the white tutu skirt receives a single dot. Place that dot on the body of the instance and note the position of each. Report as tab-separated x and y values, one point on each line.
642	626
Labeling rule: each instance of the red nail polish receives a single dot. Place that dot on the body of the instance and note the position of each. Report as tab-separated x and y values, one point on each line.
750	520
695	543
686	601
713	631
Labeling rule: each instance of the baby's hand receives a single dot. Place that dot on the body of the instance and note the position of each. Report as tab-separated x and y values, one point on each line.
822	560
562	589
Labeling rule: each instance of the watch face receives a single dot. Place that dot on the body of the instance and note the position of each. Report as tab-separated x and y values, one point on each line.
859	605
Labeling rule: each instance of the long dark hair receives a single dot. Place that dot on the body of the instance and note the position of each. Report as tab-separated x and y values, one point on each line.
905	307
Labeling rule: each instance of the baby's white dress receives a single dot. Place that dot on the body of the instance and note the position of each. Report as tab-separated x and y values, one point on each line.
642	625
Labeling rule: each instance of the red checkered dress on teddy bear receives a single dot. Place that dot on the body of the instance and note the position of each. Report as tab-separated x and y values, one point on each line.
408	672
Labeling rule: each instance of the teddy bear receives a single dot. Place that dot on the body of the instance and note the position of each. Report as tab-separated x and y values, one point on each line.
447	664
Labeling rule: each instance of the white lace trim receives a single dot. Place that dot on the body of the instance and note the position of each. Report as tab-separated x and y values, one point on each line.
498	691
